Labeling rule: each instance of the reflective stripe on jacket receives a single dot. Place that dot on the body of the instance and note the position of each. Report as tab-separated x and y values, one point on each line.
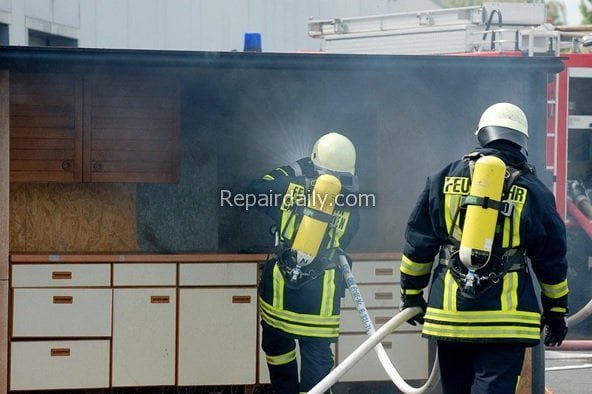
509	310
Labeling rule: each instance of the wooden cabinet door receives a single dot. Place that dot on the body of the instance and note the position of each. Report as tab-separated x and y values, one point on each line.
217	336
131	125
45	127
144	325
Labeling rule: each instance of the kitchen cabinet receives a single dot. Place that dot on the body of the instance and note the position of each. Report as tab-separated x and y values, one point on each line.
85	127
144	325
60	326
217	325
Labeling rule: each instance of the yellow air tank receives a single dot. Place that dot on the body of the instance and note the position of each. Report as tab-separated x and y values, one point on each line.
312	230
479	226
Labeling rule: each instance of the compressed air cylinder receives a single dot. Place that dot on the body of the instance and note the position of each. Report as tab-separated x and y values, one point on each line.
479	225
311	230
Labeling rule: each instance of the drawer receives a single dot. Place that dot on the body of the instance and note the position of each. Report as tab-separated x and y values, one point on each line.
145	274
218	274
379	296
62	313
408	353
351	322
376	271
59	364
60	275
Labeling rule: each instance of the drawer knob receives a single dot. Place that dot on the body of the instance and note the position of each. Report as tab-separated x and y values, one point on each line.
387	345
57	275
63	299
156	299
241	299
381	320
60	352
383	296
383	271
67	165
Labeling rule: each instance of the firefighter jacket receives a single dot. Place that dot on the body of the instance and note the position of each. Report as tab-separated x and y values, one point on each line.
311	308
508	311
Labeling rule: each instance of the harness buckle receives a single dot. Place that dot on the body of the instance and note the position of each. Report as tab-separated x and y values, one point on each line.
506	208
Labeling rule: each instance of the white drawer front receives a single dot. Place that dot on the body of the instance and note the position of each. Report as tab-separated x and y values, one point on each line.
380	296
62	313
60	275
376	271
144	274
408	353
217	274
351	322
59	364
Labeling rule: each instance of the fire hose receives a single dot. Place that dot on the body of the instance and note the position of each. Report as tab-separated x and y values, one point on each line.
373	341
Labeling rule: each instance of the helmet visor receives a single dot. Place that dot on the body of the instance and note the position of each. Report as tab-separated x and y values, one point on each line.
493	133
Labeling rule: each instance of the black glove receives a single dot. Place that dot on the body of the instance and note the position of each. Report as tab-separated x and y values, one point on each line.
408	301
555	325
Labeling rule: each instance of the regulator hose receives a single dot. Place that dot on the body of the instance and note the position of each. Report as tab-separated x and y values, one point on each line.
373	341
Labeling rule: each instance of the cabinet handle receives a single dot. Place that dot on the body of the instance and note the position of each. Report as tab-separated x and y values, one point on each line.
97	166
61	275
60	352
383	296
67	165
63	299
241	299
387	345
160	299
383	271
381	320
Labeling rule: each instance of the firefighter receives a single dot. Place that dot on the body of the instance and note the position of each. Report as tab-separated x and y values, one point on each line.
302	303
482	308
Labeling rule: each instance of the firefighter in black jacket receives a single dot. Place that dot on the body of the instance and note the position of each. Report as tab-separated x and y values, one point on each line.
484	313
304	303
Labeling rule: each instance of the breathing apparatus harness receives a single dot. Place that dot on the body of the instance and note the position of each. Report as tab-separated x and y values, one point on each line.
474	282
298	273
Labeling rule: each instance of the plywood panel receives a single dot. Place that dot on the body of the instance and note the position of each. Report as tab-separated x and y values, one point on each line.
73	217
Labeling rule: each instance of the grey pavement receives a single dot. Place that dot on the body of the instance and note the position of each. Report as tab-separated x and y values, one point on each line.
568	372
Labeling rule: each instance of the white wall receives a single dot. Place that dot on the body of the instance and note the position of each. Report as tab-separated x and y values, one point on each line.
186	24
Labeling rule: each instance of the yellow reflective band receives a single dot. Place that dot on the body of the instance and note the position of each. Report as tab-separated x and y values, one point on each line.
412	268
509	297
555	291
268	177
513	316
278	288
282	358
517	384
297	329
328	293
558	309
450	289
302	318
508	331
517	196
282	170
411	291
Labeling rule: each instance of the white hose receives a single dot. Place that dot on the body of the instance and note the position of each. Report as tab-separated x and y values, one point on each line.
371	342
381	353
580	315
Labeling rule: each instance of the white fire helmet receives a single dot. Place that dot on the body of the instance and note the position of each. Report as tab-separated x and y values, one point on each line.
334	152
503	121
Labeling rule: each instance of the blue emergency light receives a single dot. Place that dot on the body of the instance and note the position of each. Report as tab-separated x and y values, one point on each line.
252	42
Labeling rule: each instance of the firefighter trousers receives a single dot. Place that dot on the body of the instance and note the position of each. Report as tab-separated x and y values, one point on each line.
480	368
316	359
